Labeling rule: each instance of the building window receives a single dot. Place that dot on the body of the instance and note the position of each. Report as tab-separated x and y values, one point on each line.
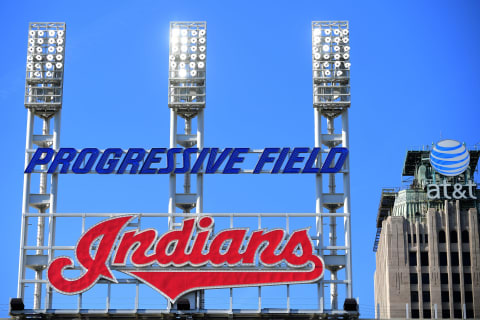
413	278
453	237
415	314
469	313
426	296
413	259
409	237
467	278
454	259
444	278
427	313
457	297
441	236
426	238
465	236
468	297
466	258
425	278
443	259
424	258
414	238
445	313
414	296
457	313
456	278
445	297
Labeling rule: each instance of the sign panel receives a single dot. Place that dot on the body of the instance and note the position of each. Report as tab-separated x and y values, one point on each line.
190	258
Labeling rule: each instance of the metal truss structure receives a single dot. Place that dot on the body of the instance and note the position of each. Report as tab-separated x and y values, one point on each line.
331	100
43	100
186	101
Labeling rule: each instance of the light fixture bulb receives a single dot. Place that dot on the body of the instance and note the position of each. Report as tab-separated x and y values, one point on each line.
315	49
328	32
32	33
58	65
31	41
336	39
40	40
202	32
49	74
37	74
327	73
336	48
31	49
192	65
339	73
59	49
184	40
29	66
316	40
316	65
38	65
60	33
182	65
193	48
41	33
326	64
317	56
347	65
51	41
202	40
38	57
201	65
184	32
174	49
345	32
50	57
51	49
202	56
172	57
183	56
336	32
51	33
202	48
193	73
346	48
346	56
193	56
193	40
184	48
345	39
60	41
173	65
326	56
175	32
48	65
59	57
182	73
317	32
328	39
337	64
30	58
39	49
194	32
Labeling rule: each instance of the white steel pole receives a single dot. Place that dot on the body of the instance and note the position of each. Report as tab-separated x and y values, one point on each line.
25	203
347	206
318	196
173	143
200	137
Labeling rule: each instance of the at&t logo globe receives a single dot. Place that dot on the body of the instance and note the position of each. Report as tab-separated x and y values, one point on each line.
449	157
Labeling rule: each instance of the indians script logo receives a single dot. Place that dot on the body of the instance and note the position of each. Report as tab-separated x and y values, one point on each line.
449	157
190	258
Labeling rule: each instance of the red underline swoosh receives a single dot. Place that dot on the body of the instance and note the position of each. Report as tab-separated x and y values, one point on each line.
172	283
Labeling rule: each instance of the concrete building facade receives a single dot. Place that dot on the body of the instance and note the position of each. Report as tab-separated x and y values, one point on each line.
427	253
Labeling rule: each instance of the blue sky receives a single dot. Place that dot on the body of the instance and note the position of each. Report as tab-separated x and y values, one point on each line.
414	80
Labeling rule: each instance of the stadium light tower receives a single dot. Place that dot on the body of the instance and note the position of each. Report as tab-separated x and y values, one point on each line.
186	100
43	100
331	99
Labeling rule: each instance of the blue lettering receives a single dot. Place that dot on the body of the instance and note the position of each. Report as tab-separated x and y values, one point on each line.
38	160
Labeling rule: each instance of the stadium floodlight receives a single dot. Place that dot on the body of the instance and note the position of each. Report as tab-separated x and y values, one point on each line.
44	72
187	72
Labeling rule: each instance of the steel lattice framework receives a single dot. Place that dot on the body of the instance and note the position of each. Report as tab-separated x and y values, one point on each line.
331	100
186	101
